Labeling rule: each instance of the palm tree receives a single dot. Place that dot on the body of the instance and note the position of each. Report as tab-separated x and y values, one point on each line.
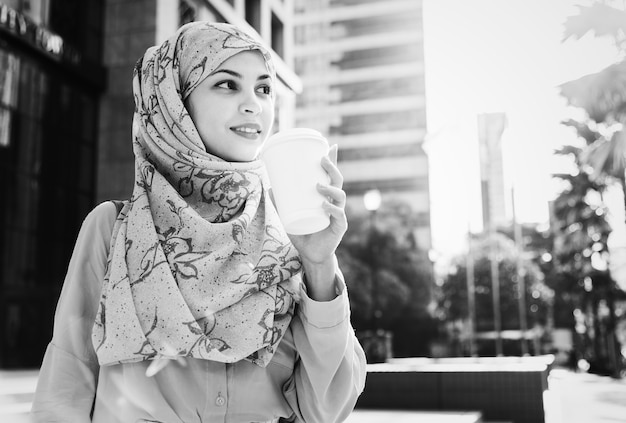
603	160
602	95
601	18
580	249
607	159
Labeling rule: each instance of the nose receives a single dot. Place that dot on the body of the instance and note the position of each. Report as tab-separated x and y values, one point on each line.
250	104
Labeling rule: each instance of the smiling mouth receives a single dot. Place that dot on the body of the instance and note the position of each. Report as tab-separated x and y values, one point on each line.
246	130
249	132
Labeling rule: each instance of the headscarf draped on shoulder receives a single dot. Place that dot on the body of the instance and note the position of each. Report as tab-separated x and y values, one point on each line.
199	264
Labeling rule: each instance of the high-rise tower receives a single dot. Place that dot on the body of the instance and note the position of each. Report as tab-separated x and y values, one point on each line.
362	68
494	195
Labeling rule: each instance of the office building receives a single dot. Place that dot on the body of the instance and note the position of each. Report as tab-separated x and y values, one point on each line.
362	69
51	79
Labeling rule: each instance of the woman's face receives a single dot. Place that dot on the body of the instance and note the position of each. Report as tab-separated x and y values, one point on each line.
233	108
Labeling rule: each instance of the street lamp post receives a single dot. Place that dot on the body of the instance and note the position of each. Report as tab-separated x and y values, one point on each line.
371	201
379	343
471	294
521	283
495	288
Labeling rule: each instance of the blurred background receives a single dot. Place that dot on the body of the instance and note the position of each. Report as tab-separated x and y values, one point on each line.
482	144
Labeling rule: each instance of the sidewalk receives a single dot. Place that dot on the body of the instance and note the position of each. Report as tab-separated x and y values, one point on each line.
572	398
587	398
16	395
396	416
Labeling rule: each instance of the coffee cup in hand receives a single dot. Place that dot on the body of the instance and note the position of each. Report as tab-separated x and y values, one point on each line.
292	158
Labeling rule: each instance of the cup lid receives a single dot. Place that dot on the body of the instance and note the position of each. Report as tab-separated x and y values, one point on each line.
294	133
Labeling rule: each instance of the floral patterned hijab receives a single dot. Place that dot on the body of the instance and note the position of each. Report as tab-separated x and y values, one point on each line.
199	264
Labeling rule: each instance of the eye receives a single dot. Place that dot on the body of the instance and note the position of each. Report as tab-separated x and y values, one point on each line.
227	85
265	89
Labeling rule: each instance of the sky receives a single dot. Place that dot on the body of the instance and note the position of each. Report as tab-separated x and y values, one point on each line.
499	56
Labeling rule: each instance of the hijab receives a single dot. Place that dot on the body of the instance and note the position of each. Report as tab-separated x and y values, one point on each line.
199	264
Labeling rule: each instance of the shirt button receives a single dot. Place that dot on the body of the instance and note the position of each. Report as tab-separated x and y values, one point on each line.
220	401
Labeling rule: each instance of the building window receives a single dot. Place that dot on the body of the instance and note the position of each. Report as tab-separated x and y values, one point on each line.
253	14
37	10
47	163
79	23
278	36
9	79
5	127
186	12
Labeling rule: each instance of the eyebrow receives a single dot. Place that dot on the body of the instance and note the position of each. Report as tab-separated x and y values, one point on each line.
238	75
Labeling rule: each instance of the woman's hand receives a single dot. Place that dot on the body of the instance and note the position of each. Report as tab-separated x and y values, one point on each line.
319	247
317	250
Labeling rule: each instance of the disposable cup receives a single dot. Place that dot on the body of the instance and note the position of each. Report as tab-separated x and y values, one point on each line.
292	158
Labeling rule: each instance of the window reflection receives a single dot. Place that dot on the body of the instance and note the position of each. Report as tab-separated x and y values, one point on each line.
48	128
37	10
9	80
47	131
5	127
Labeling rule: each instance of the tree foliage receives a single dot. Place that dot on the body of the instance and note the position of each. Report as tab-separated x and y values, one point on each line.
384	266
600	18
581	230
453	296
602	95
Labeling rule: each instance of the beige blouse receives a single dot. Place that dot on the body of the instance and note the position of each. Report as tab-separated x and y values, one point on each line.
315	376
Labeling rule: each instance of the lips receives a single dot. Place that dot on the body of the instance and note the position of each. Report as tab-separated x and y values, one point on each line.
248	130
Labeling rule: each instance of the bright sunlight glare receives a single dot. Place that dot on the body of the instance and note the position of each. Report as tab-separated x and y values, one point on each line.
499	56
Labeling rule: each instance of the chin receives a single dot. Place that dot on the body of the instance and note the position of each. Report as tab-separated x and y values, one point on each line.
241	158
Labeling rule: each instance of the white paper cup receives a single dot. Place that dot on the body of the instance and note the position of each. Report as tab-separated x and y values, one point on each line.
293	161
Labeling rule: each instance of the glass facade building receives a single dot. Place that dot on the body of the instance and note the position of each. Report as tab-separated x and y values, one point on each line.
50	80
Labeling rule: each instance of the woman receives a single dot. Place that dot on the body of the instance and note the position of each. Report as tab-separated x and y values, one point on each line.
189	303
